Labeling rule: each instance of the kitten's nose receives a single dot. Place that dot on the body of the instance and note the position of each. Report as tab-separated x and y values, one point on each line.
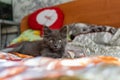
57	46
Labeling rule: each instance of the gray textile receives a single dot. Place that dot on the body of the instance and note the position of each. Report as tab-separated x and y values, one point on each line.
7	50
99	42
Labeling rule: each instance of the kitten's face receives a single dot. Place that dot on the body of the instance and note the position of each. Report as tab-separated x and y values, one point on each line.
55	39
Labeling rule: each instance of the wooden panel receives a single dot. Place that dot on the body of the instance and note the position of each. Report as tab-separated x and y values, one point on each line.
24	24
105	12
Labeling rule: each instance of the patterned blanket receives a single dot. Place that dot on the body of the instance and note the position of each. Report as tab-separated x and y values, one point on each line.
14	67
92	40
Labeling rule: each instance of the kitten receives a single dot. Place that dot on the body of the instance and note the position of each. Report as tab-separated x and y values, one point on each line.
52	45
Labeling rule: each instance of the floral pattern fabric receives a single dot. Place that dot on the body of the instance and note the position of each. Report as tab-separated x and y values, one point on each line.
13	67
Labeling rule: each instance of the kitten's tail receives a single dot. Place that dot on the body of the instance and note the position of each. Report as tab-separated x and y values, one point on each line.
13	49
6	50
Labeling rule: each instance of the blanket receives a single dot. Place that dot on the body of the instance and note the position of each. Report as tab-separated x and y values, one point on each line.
14	67
92	40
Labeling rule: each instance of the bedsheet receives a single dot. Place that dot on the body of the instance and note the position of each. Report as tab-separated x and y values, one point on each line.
14	67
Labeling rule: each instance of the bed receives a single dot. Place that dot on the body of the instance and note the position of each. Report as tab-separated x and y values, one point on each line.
97	22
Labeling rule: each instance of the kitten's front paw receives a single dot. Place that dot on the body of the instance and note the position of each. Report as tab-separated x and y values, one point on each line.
71	54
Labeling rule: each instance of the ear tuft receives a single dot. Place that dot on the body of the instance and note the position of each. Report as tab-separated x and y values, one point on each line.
63	31
46	30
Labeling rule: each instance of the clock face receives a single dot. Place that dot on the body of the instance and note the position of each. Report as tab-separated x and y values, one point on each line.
52	17
47	17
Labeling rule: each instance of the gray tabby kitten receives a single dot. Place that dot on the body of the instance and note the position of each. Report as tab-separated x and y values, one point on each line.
52	45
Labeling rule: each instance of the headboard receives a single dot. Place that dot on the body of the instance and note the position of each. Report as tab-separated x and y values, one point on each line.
101	12
106	12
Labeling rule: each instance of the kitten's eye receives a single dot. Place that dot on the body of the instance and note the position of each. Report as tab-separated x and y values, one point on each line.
51	41
60	40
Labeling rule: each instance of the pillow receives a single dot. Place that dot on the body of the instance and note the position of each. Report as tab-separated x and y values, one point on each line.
50	16
28	35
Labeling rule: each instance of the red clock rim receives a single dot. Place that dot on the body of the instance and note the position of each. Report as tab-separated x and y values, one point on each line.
37	26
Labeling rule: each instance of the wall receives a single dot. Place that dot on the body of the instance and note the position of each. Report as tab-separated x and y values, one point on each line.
24	7
6	1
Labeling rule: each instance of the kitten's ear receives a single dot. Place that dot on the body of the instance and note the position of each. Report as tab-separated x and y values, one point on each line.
63	31
46	30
